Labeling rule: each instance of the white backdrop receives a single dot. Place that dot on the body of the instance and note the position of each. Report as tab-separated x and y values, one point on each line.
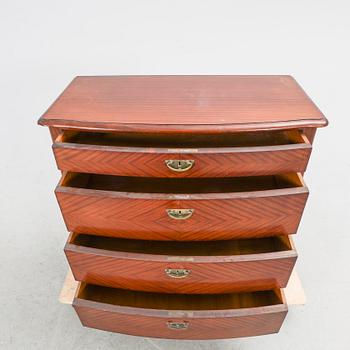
44	44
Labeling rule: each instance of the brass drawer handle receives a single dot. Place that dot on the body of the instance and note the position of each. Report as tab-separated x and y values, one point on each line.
180	214
179	165
177	273
177	325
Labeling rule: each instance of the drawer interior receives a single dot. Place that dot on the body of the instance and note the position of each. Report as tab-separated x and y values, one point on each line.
248	139
175	248
181	185
148	300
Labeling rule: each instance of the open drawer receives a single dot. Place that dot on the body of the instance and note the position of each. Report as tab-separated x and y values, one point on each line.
182	267
183	155
180	316
182	209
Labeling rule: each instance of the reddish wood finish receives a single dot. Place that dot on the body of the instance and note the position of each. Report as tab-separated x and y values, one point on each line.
210	323
234	128
183	104
54	132
208	162
142	215
208	273
310	134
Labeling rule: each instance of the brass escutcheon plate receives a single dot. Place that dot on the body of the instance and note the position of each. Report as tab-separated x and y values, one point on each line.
177	325
177	273
180	214
179	165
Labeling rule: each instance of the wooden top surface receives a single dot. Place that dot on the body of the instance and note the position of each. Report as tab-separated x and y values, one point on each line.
183	104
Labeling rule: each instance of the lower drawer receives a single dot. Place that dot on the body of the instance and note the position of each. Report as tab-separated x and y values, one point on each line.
179	316
182	209
182	267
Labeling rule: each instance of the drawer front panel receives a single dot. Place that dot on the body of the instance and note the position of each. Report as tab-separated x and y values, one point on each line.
102	268
258	322
87	211
206	163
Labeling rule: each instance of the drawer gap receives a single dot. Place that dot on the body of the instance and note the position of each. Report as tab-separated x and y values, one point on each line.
247	139
187	248
151	300
181	185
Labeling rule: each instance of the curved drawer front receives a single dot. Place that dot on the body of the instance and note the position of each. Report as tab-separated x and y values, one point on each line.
180	316
104	205
182	267
212	156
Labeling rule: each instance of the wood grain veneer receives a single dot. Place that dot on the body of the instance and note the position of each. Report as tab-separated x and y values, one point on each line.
130	154
223	208
214	267
181	193
205	316
183	104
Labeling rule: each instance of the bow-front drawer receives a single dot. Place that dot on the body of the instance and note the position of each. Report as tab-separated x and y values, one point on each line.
183	155
182	267
182	209
180	316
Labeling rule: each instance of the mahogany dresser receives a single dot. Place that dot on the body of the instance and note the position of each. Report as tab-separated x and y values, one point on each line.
181	194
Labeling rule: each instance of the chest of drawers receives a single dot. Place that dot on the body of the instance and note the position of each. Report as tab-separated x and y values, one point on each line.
181	194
